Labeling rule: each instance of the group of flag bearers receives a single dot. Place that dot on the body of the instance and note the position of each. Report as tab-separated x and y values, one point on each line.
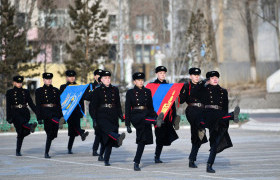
207	108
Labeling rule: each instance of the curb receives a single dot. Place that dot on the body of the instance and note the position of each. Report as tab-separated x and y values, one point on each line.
259	126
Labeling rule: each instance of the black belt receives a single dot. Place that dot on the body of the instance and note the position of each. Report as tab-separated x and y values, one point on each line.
108	106
196	105
48	105
19	106
140	107
213	107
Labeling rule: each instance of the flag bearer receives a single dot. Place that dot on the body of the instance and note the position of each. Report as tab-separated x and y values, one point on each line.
74	121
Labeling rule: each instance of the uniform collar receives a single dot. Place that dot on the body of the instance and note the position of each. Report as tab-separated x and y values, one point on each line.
102	85
68	83
17	89
95	83
137	88
160	82
47	87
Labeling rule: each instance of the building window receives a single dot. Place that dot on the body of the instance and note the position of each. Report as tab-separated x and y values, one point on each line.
113	52
112	22
269	8
143	22
57	52
53	18
143	56
20	19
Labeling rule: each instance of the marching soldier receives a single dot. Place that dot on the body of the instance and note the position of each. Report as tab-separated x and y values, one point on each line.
191	95
215	100
48	109
88	96
106	111
166	134
17	102
140	112
74	124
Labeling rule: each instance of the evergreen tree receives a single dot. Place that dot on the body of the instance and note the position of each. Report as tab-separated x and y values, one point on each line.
90	25
14	56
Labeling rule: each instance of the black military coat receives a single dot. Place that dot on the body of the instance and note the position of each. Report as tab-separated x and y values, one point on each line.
219	136
19	97
140	97
192	93
48	95
166	134
107	118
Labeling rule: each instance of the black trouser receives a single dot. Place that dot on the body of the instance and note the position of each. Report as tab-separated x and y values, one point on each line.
108	150
194	151
212	155
19	144
96	142
48	145
71	142
158	150
139	152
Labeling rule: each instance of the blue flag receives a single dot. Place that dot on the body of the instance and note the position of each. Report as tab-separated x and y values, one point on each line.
70	98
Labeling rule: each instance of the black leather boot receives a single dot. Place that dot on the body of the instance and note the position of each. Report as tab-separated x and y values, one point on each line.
84	135
106	163
192	164
136	167
94	153
120	139
100	158
157	160
33	127
209	168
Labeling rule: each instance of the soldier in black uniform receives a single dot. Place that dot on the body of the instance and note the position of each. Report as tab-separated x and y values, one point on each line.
215	100
88	96
192	96
140	112
166	134
48	109
74	122
106	111
17	102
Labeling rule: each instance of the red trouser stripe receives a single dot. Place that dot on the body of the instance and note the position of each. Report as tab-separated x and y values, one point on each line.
226	117
25	126
77	132
54	121
150	120
112	137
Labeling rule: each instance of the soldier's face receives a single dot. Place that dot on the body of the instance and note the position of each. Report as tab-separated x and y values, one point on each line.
47	81
96	77
195	78
214	80
18	85
106	80
70	79
161	75
139	83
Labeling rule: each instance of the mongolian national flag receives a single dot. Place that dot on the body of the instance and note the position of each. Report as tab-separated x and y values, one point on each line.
70	98
164	95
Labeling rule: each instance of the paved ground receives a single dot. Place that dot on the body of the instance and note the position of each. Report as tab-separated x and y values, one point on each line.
255	155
